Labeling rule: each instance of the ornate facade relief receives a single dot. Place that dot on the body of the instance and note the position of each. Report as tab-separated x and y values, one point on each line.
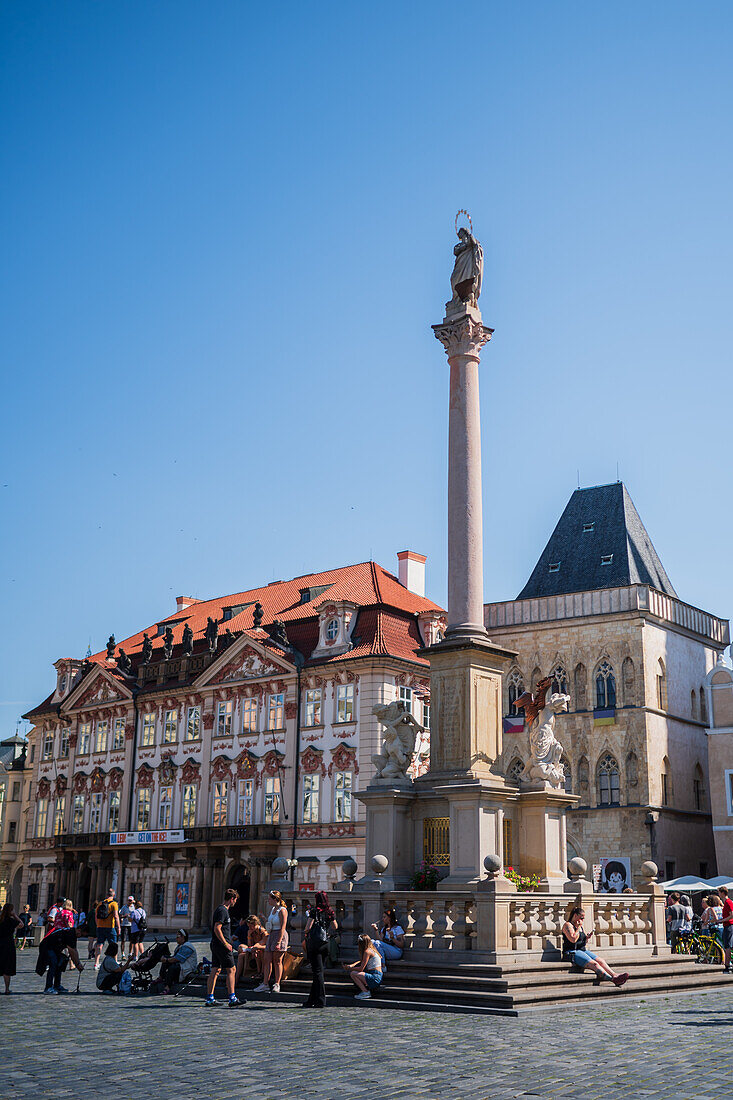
145	776
311	761
190	773
343	759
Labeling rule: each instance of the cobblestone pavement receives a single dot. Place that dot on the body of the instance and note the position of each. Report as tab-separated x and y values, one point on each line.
154	1047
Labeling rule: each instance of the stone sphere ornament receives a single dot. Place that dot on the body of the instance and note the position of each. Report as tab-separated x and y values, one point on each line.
492	865
349	867
577	867
379	864
280	866
649	870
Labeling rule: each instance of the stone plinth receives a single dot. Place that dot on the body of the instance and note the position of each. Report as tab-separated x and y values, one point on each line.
465	692
390	830
542	833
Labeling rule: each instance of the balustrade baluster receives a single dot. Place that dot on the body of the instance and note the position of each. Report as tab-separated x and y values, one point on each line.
440	924
471	925
517	927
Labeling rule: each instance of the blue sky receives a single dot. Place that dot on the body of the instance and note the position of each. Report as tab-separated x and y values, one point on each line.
227	230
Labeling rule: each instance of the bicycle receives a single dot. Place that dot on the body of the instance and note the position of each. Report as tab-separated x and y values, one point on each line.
705	947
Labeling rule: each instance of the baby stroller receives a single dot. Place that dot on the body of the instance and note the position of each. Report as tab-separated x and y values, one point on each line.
142	970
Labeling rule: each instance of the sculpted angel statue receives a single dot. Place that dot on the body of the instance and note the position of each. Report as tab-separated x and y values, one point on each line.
545	749
401	730
468	270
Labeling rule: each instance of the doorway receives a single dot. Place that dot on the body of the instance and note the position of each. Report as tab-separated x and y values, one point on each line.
239	880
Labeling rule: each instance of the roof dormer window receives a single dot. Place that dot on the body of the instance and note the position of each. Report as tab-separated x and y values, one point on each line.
554	567
606	559
332	630
588	528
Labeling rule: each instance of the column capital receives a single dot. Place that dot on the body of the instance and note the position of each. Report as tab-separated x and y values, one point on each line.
464	334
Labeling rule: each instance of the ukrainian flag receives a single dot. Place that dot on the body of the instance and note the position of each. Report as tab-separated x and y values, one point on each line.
604	717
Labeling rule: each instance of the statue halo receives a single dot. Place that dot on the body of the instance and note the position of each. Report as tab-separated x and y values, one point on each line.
470	223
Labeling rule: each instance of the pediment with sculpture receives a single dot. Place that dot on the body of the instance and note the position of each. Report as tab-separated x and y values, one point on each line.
248	663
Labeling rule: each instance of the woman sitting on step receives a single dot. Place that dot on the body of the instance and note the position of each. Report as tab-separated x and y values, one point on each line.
368	971
391	936
574	939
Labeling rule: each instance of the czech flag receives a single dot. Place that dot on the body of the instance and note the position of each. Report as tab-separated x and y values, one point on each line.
514	724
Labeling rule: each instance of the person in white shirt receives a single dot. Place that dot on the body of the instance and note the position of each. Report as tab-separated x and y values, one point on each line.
390	940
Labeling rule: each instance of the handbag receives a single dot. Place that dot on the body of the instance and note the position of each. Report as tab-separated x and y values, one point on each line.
317	936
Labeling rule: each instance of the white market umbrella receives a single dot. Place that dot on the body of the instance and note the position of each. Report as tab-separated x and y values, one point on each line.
690	883
721	880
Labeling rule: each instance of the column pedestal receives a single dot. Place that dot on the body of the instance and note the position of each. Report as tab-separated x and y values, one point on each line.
390	832
542	834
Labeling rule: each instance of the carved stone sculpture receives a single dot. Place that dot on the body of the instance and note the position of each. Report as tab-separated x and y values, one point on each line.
124	663
545	751
147	650
278	633
398	747
259	614
111	647
168	643
228	638
187	641
468	271
212	634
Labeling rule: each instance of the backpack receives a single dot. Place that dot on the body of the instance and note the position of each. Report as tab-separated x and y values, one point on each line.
102	912
142	921
317	935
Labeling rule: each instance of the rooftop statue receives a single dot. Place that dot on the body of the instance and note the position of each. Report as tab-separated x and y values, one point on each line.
212	634
147	650
544	748
468	270
187	641
111	647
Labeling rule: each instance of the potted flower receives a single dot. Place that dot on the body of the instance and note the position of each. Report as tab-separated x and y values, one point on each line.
425	878
523	883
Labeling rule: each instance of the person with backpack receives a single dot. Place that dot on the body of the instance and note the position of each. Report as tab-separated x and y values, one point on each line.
320	925
108	925
138	927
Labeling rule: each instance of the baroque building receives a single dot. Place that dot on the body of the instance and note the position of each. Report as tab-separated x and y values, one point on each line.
600	616
234	730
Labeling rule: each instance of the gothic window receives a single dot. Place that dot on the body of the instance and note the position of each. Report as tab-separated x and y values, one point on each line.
666	782
605	687
568	774
661	685
627	672
693	703
703	706
536	677
608	781
516	688
559	681
698	788
580	679
514	770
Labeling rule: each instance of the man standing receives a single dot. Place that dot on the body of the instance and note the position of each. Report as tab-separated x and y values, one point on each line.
125	926
727	926
222	952
675	918
108	924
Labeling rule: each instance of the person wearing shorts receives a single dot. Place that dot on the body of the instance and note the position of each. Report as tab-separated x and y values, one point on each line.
137	933
727	922
574	949
108	927
222	952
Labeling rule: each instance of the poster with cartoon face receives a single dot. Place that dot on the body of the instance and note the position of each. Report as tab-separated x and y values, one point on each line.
615	874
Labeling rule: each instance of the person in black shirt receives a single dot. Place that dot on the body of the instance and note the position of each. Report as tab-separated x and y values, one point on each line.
222	953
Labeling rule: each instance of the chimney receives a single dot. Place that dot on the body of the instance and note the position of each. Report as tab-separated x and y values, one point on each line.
182	602
412	571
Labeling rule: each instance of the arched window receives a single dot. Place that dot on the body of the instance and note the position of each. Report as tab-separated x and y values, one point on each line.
580	680
693	703
666	784
559	681
661	685
703	706
605	687
698	788
516	688
608	781
568	774
514	770
627	672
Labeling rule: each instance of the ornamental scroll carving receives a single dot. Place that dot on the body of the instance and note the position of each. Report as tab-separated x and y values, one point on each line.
222	768
145	776
61	785
271	762
97	781
311	761
291	708
463	336
167	770
343	759
246	765
247	664
114	779
80	783
99	693
190	773
44	788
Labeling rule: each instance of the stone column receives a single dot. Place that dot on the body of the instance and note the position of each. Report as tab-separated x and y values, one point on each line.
463	334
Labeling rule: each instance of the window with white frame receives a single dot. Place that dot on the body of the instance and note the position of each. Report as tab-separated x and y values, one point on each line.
118	741
426	715
345	703
313	705
221	801
729	791
224	719
64	750
58	816
143	810
113	816
95	812
148	728
249	715
165	809
276	711
189	805
272	800
332	630
48	746
85	738
193	724
404	695
100	742
245	802
77	820
170	726
311	799
343	786
41	816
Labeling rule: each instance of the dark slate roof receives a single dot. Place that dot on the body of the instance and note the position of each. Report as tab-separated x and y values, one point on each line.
617	530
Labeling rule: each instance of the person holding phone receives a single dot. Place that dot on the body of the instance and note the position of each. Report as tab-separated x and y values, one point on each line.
574	949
